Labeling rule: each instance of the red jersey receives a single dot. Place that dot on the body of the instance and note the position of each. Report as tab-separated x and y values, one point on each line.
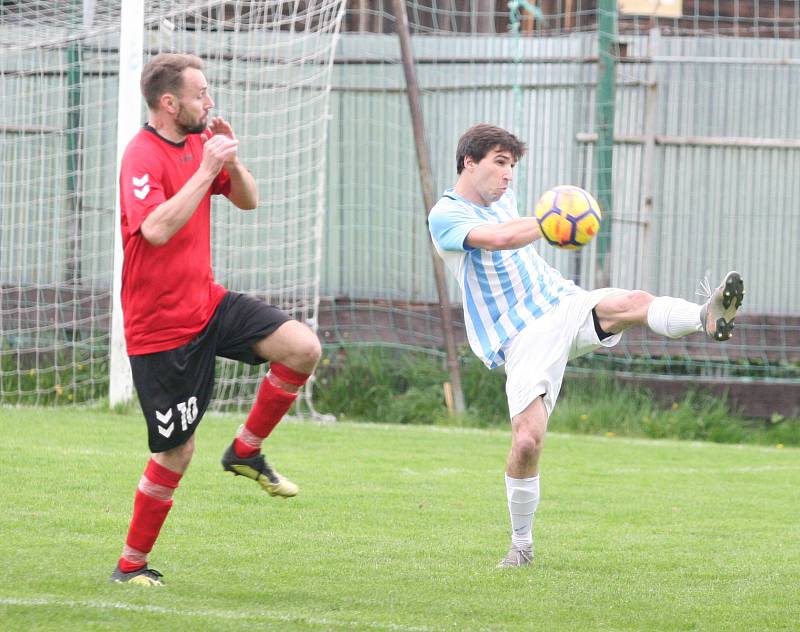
168	292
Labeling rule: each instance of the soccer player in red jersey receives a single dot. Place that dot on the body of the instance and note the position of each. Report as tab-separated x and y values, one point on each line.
177	319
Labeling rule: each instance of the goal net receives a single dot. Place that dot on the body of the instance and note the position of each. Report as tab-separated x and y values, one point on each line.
268	63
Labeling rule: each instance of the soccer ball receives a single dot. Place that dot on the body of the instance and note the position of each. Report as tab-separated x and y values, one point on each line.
568	216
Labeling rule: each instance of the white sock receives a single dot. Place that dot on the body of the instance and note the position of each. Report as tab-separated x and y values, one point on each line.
523	498
674	317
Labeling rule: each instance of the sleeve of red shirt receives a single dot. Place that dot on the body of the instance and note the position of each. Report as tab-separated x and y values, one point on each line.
140	187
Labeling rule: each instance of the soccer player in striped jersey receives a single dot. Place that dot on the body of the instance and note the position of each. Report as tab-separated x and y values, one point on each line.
522	313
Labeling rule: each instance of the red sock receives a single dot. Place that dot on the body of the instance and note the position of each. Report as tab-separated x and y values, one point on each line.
151	505
271	405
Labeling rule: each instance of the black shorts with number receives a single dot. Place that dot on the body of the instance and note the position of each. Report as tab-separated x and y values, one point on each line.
175	386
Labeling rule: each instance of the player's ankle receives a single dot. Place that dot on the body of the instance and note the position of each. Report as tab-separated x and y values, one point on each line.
127	566
243	450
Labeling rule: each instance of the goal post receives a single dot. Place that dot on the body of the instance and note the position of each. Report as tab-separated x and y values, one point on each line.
120	387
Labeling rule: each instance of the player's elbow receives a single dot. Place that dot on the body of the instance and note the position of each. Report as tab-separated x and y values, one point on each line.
244	197
245	202
154	236
249	205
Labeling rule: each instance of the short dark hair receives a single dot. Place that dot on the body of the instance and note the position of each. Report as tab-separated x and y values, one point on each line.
480	139
164	73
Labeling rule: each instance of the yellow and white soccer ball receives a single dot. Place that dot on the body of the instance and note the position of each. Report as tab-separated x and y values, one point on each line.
568	216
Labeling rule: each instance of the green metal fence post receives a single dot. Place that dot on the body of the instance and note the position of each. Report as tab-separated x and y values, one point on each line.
604	121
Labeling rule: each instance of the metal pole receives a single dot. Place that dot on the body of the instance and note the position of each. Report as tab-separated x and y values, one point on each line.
74	204
74	147
607	29
426	178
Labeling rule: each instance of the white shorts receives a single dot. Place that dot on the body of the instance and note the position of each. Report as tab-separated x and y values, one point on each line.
537	356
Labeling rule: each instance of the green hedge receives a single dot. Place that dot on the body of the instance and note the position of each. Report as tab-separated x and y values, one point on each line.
376	384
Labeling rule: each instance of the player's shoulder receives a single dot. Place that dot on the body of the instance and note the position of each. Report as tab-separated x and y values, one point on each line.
449	204
146	152
445	212
144	138
142	145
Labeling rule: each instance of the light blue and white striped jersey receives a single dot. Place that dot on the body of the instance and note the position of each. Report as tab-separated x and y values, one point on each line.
501	290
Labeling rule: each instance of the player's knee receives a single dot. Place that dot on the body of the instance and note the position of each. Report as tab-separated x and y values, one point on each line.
624	310
638	300
186	450
305	352
179	457
527	444
312	349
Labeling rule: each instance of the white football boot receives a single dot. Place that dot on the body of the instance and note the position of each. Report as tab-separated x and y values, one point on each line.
719	311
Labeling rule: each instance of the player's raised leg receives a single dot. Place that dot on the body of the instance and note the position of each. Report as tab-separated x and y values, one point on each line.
675	317
293	350
151	504
522	480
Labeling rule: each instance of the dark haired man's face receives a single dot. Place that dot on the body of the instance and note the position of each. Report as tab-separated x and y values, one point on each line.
490	178
194	103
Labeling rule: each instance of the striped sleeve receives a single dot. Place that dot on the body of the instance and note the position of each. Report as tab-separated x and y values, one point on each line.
450	223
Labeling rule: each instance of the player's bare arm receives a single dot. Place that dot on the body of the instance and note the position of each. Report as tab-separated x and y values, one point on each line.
170	216
244	191
514	233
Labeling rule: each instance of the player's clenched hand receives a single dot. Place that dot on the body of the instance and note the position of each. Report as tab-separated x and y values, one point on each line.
218	150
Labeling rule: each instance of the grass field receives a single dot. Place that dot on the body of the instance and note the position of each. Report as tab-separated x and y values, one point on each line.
397	528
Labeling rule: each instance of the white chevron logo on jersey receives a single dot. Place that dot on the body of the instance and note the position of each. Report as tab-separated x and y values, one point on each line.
163	420
141	182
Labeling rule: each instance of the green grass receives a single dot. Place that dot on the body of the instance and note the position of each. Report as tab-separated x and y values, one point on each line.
398	528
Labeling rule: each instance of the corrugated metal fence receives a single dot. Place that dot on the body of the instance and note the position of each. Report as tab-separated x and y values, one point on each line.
707	157
720	115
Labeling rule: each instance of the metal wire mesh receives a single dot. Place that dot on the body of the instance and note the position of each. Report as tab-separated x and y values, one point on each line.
705	147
